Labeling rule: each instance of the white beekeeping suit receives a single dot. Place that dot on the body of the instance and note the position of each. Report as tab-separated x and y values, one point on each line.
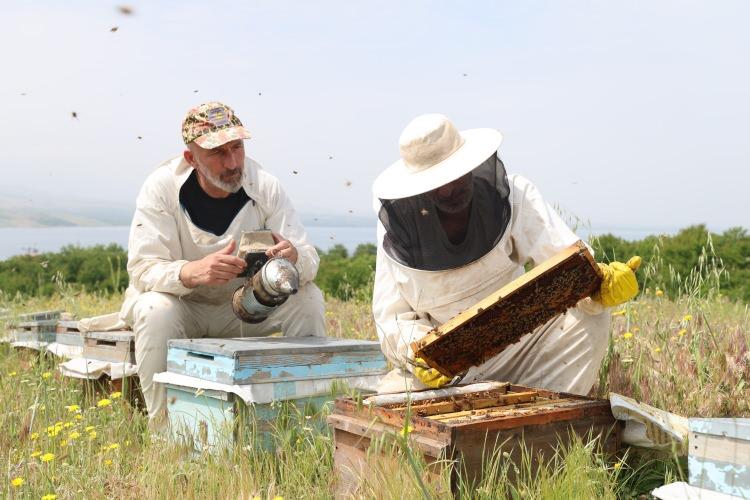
414	292
163	239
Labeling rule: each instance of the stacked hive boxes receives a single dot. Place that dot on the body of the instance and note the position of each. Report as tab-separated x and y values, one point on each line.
35	330
68	339
211	381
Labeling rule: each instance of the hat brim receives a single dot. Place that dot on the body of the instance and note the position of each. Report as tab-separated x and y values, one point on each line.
220	137
397	181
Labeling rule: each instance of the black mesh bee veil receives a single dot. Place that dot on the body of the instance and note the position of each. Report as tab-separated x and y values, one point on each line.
414	234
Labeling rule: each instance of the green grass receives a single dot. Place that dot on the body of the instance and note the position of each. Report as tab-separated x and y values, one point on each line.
689	355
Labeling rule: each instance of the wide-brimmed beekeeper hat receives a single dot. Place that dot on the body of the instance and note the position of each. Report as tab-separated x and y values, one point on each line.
434	153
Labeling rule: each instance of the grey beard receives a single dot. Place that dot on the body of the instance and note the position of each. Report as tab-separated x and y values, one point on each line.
217	182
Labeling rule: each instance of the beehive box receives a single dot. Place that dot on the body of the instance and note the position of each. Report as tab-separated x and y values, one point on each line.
279	359
116	346
213	419
68	333
468	428
34	330
719	455
205	377
500	320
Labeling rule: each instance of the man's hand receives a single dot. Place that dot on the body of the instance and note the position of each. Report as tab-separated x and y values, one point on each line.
214	269
282	248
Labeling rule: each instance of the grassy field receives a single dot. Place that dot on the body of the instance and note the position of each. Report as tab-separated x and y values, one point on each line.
688	355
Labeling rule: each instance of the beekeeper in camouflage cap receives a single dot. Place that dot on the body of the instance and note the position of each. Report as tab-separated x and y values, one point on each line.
211	125
190	215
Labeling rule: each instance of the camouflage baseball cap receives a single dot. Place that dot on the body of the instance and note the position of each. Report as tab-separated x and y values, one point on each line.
212	124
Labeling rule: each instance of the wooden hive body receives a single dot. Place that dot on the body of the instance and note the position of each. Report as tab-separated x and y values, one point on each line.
68	333
719	455
34	331
274	359
500	320
469	428
40	316
116	346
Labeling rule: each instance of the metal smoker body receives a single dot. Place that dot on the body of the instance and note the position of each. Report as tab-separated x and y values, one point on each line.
265	290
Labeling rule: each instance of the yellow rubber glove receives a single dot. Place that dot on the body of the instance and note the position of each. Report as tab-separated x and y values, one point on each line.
429	376
619	284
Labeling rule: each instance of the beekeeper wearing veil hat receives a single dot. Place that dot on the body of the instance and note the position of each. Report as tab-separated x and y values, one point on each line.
455	227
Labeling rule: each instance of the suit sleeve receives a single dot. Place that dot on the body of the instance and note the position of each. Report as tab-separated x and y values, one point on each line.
154	253
398	325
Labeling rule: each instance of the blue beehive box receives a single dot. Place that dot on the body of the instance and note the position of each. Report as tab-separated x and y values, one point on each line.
35	330
212	382
719	456
277	359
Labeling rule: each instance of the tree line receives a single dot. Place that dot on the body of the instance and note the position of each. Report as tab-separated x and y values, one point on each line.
693	261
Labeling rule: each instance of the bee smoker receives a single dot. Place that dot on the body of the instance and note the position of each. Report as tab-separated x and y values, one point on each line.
269	284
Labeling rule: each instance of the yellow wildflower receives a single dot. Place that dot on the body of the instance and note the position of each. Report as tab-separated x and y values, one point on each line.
108	462
17	482
72	408
103	403
682	332
46	375
49	496
687	317
68	425
658	293
618	465
34	436
657	350
277	497
36	454
52	431
63	443
12	374
78	417
89	428
113	446
627	335
74	435
407	430
127	443
115	395
92	435
47	457
621	312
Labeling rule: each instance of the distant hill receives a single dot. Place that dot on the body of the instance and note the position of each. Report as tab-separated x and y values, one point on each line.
38	209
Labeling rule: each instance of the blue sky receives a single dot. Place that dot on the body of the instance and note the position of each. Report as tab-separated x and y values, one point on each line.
624	114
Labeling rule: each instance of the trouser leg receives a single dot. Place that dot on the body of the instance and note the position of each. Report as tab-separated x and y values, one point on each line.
158	317
563	355
302	315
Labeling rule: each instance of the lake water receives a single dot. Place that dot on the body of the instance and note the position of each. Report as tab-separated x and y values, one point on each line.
21	240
